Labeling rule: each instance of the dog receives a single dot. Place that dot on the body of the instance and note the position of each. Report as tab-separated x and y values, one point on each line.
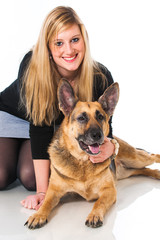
80	135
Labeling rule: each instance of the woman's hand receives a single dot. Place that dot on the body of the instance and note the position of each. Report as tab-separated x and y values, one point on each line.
106	150
33	201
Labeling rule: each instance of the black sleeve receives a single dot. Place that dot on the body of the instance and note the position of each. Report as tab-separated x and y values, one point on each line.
99	88
10	96
24	63
40	140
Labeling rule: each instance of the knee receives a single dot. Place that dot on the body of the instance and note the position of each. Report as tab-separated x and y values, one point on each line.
27	178
6	178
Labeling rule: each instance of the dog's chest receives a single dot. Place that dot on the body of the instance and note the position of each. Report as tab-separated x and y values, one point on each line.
87	190
93	186
84	178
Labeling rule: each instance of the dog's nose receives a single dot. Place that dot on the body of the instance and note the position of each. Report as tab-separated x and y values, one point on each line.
96	134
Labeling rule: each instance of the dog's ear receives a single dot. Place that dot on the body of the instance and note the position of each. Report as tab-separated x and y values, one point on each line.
66	97
110	98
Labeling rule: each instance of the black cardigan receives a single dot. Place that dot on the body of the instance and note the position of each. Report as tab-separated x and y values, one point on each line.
41	135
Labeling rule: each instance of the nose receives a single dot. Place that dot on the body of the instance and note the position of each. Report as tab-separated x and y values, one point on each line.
69	49
96	134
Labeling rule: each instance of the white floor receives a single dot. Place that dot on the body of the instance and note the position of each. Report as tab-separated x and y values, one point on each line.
135	216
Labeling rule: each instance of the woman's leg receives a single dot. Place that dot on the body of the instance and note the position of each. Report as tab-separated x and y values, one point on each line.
9	148
25	168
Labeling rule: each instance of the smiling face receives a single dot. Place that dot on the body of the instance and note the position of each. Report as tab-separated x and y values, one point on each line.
68	50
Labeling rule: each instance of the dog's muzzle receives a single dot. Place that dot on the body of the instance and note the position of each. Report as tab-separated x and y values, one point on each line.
91	140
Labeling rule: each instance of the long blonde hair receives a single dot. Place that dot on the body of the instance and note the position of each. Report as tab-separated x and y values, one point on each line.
41	77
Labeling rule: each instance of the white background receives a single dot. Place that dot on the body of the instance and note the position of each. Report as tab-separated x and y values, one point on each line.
124	36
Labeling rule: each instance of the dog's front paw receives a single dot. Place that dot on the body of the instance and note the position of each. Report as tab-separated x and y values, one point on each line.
36	221
94	221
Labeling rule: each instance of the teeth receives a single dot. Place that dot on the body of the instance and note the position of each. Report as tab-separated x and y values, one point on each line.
69	59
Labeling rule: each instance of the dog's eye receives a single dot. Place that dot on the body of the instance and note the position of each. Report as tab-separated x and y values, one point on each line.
82	118
99	116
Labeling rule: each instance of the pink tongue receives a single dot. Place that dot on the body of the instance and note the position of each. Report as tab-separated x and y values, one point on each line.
94	148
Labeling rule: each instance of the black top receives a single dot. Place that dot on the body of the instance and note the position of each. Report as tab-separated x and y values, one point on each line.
41	135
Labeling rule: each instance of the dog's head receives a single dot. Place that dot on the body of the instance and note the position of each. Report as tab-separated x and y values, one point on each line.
87	122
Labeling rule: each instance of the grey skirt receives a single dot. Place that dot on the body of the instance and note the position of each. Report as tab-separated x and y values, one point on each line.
13	127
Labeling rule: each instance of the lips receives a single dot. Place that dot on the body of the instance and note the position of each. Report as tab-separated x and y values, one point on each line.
70	59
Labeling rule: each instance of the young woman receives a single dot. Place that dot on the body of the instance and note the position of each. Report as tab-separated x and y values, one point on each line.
29	112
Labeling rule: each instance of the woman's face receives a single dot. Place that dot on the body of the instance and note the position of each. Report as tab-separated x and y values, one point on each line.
68	50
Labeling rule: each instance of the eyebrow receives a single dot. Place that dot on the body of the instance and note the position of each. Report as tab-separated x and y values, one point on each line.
74	36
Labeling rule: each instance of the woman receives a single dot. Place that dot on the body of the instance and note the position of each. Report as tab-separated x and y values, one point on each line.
62	50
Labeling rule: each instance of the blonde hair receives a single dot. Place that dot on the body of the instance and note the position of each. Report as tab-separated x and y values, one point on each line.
41	77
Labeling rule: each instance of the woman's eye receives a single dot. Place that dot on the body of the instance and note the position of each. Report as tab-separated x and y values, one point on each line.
58	44
75	39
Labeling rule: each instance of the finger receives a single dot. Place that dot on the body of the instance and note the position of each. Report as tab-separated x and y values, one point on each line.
27	203
39	205
30	204
35	203
95	160
106	139
22	202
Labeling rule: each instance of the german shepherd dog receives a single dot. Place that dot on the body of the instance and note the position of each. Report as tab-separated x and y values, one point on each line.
80	135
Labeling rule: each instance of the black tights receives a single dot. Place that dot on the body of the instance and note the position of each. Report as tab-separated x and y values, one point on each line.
16	162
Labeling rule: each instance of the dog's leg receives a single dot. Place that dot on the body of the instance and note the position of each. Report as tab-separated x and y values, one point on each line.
105	201
146	172
131	161
122	172
52	198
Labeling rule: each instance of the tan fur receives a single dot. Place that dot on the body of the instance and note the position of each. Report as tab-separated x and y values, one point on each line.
72	171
